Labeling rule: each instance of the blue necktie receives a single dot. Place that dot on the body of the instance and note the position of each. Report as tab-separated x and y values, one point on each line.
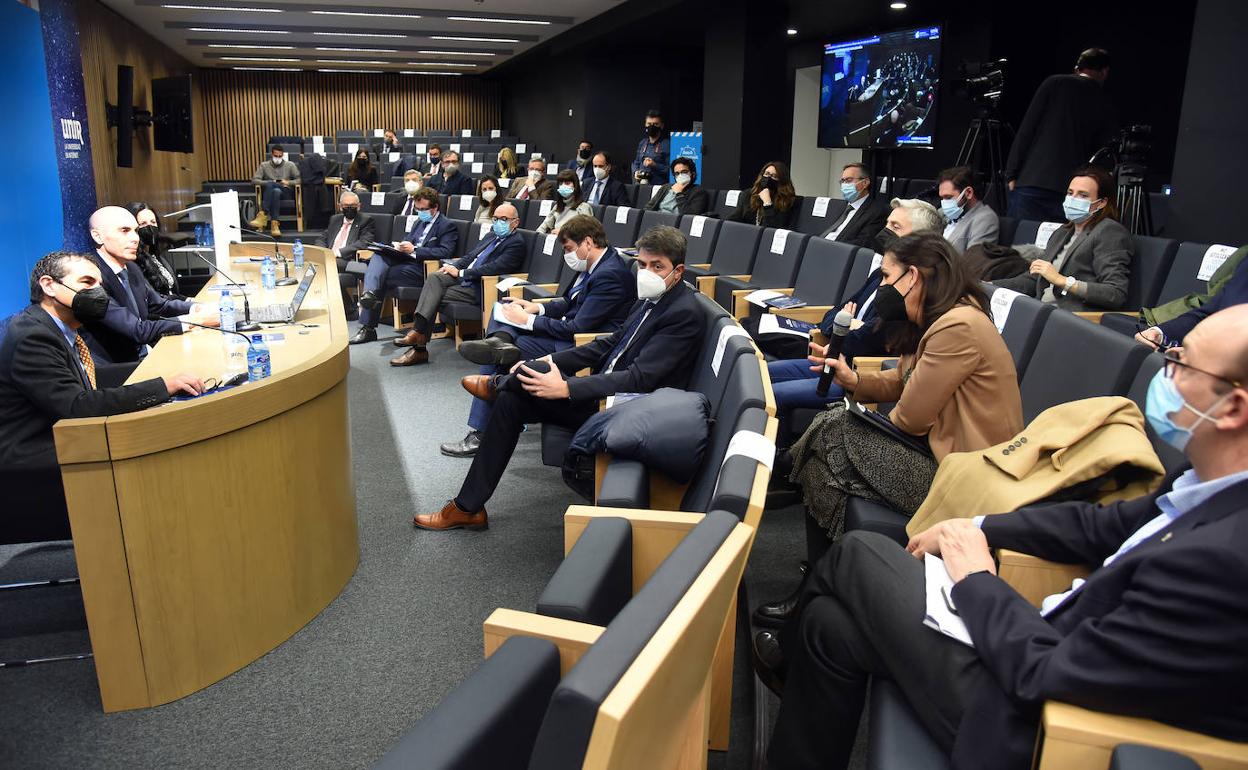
626	338
481	258
423	229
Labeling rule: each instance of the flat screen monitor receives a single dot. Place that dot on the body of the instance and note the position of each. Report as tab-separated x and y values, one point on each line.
880	91
171	114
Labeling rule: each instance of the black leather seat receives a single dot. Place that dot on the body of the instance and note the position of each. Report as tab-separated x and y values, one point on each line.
1183	276
771	270
595	579
1023	325
621	225
810	223
1149	268
895	736
651	219
700	247
734	252
1133	756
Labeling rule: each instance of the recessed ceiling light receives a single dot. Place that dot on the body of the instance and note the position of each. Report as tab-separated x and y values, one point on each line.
496	20
252	47
347	61
475	39
242	31
356	34
353	72
440	64
256	58
240	9
363	13
358	50
792	31
458	53
418	72
900	5
267	69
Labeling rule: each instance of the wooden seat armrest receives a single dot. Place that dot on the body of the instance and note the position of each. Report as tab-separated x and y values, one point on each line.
706	285
570	637
809	313
871	363
546	286
741	306
818	337
701	265
584	338
655	533
432	266
1098	315
1035	578
363	255
541	300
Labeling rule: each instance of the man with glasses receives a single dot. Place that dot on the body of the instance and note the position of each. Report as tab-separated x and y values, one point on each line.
459	280
1158	630
865	214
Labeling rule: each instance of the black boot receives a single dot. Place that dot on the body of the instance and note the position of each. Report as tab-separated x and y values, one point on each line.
769	660
776	614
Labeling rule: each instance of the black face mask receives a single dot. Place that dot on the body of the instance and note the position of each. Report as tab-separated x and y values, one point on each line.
890	304
147	234
885	239
653	131
350	212
583	154
770	184
89	304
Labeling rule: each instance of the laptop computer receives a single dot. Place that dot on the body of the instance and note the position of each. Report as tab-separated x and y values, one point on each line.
283	313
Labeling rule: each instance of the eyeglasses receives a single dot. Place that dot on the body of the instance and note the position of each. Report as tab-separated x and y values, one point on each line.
504	220
852	180
1174	360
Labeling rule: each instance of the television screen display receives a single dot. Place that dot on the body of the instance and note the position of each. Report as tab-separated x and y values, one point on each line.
880	91
171	114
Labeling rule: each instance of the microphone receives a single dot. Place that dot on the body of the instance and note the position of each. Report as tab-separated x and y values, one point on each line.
219	329
247	325
840	328
287	281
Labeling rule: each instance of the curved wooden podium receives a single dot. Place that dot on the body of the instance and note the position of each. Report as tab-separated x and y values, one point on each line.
208	531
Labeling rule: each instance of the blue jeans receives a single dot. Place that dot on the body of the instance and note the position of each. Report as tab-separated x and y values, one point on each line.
383	275
531	344
1037	204
273	192
794	385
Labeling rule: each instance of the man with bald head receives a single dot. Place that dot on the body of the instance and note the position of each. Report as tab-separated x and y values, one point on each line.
137	314
459	281
1158	630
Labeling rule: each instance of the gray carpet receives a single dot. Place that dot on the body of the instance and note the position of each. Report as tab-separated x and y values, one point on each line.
405	630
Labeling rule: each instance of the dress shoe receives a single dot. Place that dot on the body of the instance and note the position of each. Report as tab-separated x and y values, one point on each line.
769	660
275	229
260	221
491	350
412	339
411	357
776	614
365	334
466	448
481	386
452	517
370	301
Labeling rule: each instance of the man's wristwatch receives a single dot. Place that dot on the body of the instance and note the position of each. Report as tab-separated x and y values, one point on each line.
1070	284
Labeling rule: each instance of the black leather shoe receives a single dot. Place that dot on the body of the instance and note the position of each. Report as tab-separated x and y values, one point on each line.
370	301
490	351
466	448
769	660
776	614
365	334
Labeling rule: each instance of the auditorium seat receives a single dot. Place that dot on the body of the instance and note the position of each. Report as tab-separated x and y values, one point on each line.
387	200
821	279
462	207
1183	277
735	248
631	191
535	215
895	736
818	213
776	263
621	225
1024	322
646	192
651	219
1007	226
921	188
1025	233
700	234
1149	268
726	201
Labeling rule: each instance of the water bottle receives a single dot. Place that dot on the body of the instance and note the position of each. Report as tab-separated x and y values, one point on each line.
210	238
268	274
258	365
199	235
226	309
297	250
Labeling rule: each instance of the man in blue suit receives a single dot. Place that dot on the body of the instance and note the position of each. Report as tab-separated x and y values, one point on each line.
596	298
451	179
1158	630
655	348
432	236
460	281
581	163
603	189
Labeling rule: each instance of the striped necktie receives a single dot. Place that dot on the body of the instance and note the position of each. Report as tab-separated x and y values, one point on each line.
84	355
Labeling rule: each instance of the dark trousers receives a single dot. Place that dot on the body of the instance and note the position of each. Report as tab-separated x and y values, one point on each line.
385	274
862	615
272	194
438	289
513	409
1036	204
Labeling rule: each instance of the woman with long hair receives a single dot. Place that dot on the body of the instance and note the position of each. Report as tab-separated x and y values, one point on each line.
151	257
488	199
362	174
507	166
569	202
771	199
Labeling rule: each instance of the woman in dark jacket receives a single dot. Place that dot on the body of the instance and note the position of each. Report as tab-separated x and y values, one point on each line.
362	175
771	199
151	258
683	197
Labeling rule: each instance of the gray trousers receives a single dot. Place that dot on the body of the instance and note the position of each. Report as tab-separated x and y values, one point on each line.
440	288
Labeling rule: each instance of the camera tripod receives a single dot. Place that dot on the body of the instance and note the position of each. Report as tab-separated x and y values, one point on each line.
1134	206
983	135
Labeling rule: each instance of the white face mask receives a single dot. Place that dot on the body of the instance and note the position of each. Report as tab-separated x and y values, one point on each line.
683	179
277	160
650	285
575	262
411	186
489	195
600	173
535	176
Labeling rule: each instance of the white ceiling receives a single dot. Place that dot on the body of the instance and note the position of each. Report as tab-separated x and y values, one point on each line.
397	42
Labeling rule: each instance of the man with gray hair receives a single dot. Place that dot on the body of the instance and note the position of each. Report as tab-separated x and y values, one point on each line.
864	212
346	234
909	215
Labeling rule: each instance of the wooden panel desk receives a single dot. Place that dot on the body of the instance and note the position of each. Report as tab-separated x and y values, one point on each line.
208	531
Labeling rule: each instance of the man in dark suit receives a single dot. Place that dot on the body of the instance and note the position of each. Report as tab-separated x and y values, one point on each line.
47	373
1158	630
595	298
405	206
865	213
655	348
582	162
534	186
460	281
603	189
349	231
451	180
432	236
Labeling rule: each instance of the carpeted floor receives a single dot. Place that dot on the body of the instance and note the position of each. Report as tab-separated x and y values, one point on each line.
405	630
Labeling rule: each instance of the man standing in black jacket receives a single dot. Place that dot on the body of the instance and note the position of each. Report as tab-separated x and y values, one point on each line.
1068	120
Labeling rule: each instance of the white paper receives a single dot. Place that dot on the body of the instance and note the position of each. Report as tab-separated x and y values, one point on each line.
758	297
732	197
351	148
377	199
1045	231
318	145
466	133
470	157
502	319
621	215
379	132
778	240
478	168
939	591
421	149
545	206
1214	257
411	220
655	190
548	247
495	133
455	147
821	207
695	229
552	168
769	323
318	140
747	443
408	133
1002	301
465	203
521	148
509	282
394	157
876	261
725	334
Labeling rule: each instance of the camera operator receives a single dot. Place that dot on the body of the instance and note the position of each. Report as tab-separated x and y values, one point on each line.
1068	120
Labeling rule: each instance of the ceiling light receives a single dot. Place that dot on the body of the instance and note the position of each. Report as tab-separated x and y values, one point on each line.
267	69
362	13
457	53
347	61
440	64
254	47
496	20
240	9
792	31
355	34
353	72
475	39
900	5
243	31
418	72
255	58
359	50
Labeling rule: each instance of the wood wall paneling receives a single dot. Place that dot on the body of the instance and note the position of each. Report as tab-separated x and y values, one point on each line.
243	109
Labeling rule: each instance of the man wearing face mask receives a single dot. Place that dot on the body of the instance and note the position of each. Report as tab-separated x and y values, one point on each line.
459	281
534	186
864	212
604	189
581	163
654	348
908	216
434	164
406	206
684	196
596	297
1156	631
451	180
970	220
277	179
650	163
348	233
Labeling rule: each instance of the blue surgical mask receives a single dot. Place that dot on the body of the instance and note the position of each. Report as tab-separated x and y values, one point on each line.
1077	209
565	190
950	208
425	215
849	191
1165	400
501	229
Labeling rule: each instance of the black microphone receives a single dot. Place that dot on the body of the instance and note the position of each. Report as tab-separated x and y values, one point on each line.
247	325
287	281
840	328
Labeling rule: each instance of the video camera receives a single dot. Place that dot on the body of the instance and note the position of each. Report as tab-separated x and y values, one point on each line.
1133	144
981	82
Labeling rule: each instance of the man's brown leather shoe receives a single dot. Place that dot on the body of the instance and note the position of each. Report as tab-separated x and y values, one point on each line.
480	385
411	357
411	339
452	517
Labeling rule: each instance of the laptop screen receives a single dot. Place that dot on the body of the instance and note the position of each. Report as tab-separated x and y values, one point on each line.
308	274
